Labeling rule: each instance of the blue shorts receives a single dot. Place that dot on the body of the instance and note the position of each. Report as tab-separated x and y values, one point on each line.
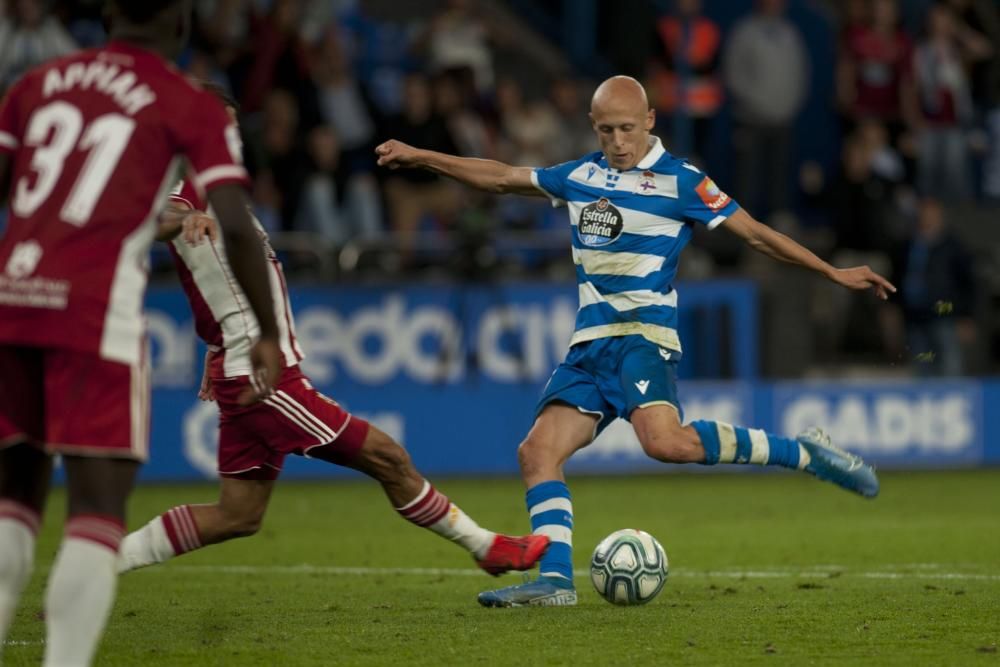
611	377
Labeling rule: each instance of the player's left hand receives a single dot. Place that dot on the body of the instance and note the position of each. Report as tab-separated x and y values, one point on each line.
862	278
197	227
266	359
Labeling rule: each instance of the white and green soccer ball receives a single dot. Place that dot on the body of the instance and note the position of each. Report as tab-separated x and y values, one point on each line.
628	567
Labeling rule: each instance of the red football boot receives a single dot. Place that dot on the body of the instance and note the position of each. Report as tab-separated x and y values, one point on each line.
513	553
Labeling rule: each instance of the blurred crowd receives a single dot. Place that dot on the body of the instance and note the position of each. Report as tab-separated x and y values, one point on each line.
320	83
918	104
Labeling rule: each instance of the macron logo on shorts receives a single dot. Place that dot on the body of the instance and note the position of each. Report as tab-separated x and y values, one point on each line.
642	386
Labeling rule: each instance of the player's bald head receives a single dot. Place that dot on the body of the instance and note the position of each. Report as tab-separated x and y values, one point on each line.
620	93
622	119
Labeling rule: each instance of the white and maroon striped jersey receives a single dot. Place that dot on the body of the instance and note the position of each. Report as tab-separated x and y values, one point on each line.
222	314
94	140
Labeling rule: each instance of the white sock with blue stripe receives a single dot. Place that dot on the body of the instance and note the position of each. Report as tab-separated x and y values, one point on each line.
725	443
551	512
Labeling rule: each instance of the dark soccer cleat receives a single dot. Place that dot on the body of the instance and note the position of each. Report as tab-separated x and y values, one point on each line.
833	464
542	592
513	553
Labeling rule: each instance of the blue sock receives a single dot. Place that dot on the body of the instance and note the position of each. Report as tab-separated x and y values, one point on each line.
725	443
551	514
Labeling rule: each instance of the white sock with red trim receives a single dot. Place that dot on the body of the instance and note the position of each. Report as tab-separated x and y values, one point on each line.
431	509
171	534
81	589
18	527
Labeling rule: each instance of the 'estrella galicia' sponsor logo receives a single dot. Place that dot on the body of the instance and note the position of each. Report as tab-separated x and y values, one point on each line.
600	223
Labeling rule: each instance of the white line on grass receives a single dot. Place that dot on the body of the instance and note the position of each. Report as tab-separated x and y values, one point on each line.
338	570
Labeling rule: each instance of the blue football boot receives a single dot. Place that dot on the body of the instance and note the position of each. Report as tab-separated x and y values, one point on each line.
833	464
542	592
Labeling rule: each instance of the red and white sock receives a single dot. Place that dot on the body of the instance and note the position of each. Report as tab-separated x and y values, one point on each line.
431	509
18	528
81	589
173	533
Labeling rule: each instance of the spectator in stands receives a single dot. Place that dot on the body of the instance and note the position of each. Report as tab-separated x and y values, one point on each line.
344	103
324	209
319	210
456	38
29	36
977	24
874	78
861	197
575	136
349	122
767	71
686	83
937	289
453	98
945	109
279	57
276	157
413	195
527	126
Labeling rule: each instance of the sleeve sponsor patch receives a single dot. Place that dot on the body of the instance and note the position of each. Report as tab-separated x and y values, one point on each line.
711	195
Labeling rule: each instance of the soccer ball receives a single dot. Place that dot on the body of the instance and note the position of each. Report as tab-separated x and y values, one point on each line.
628	567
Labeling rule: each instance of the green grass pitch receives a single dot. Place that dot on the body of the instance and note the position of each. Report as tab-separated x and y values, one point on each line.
772	569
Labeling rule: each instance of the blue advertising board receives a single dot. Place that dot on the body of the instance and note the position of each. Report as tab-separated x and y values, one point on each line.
454	373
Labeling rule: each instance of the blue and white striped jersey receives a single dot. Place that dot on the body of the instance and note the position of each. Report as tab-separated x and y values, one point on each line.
629	228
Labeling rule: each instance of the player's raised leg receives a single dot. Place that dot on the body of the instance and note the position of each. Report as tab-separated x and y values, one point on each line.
417	501
558	431
647	382
82	584
712	442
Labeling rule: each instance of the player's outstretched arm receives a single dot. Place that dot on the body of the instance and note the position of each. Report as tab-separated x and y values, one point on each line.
488	175
246	257
774	244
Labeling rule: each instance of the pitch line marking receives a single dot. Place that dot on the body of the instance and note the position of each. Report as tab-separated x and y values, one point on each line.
339	570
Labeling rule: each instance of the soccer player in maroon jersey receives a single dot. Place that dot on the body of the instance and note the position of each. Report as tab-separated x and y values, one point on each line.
295	419
89	147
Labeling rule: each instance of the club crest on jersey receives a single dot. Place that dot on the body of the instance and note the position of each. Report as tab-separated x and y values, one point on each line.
23	259
600	223
711	195
646	184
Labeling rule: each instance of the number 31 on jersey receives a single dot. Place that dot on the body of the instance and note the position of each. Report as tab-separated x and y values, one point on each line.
55	131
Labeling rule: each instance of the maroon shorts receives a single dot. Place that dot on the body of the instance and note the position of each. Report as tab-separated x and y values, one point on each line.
254	440
75	403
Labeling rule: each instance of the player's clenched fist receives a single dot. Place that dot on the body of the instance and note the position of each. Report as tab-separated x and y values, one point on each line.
395	154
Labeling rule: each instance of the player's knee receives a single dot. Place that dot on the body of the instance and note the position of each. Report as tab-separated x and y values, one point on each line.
533	456
244	524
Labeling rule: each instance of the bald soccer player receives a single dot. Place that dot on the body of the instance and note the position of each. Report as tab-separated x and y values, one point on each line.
632	206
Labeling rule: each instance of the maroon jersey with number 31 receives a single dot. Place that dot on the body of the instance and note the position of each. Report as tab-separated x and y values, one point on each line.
97	139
